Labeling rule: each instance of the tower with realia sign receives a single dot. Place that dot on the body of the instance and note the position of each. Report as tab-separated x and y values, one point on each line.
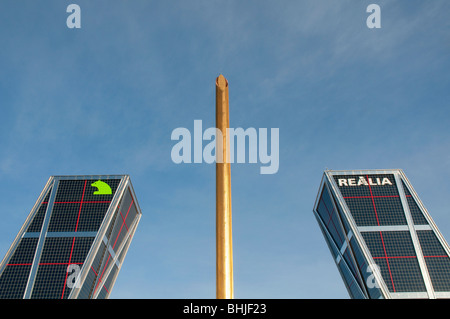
382	239
74	241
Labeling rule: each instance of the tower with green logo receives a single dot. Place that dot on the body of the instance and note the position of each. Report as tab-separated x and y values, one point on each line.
74	241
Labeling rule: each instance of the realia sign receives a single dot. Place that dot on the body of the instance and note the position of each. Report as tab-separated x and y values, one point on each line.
376	181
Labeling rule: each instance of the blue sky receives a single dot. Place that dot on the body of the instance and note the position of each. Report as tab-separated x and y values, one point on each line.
104	99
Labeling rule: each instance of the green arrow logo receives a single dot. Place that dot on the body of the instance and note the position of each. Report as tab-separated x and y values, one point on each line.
102	188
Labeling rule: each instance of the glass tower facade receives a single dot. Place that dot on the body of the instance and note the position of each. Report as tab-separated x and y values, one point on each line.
382	239
74	240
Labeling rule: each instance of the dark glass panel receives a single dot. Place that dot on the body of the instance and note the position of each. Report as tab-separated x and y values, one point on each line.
394	253
436	259
328	215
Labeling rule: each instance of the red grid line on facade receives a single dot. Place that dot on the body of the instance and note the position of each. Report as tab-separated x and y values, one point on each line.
124	221
109	254
97	275
84	202
392	257
73	241
378	196
351	262
104	287
330	215
44	264
381	235
330	219
439	256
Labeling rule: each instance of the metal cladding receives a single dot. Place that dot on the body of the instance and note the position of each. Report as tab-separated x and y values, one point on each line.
74	240
383	241
224	243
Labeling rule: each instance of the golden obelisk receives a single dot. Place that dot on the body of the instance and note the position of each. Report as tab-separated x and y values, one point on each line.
224	245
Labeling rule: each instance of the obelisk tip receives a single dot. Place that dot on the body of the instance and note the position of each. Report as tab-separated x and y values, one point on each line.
221	82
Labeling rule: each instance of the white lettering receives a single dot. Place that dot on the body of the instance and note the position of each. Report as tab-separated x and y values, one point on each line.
74	19
212	152
200	309
72	279
184	145
245	309
372	281
240	135
362	181
274	151
374	20
211	146
198	139
342	182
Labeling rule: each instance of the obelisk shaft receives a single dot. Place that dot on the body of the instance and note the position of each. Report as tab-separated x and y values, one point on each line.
224	246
